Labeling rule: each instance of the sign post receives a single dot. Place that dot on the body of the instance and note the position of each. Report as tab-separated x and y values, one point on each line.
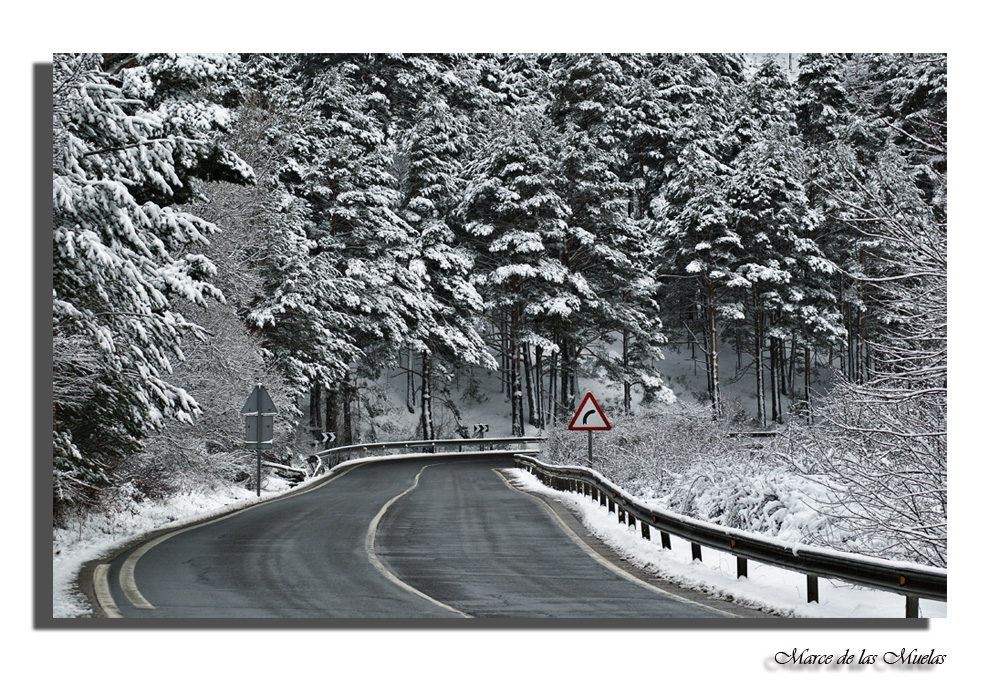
259	424
589	418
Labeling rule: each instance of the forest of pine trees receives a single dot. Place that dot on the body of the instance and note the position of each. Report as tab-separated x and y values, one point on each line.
315	221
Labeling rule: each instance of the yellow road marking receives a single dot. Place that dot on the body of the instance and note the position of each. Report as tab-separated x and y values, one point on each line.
126	576
103	592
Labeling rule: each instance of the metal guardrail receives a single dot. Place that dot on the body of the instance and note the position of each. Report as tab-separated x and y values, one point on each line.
914	581
327	459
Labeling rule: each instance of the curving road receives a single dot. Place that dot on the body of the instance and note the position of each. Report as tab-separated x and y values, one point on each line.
415	538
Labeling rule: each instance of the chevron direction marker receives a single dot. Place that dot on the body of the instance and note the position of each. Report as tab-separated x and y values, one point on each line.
329	437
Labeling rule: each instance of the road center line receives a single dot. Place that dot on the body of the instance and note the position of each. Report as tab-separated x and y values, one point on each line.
373	558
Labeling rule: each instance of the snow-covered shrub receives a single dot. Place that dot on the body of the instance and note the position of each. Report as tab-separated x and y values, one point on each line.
883	465
754	495
645	450
687	462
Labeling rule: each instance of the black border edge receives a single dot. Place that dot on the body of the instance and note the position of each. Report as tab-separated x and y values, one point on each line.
42	342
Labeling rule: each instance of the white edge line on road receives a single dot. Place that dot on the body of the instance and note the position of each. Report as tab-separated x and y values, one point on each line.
603	561
373	558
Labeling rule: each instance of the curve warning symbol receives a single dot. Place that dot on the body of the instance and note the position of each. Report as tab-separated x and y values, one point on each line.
589	416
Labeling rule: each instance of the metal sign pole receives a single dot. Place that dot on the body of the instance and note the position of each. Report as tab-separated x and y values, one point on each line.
590	446
260	431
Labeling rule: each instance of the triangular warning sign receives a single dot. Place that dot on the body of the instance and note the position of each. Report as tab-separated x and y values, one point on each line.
589	416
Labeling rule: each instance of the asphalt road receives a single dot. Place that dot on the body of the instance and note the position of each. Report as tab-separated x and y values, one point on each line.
401	539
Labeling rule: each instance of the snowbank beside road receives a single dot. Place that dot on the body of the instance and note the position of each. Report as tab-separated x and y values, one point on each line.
92	536
775	590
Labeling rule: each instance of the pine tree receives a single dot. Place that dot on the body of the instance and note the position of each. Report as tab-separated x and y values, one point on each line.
435	151
693	212
781	260
603	245
512	206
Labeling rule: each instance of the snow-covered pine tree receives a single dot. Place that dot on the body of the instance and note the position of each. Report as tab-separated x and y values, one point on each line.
133	136
825	121
340	171
700	250
603	246
780	260
434	151
512	206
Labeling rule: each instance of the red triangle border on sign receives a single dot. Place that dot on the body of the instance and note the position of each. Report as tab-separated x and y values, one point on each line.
589	398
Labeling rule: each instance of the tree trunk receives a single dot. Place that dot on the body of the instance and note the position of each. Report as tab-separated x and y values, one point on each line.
553	391
775	357
315	413
504	358
791	366
348	417
426	387
739	353
528	388
626	378
332	414
807	357
540	385
516	393
411	386
712	352
759	362
565	401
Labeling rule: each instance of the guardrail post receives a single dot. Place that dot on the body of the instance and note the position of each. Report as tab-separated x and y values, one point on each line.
912	606
621	515
741	567
604	499
631	520
664	540
644	529
812	588
695	552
